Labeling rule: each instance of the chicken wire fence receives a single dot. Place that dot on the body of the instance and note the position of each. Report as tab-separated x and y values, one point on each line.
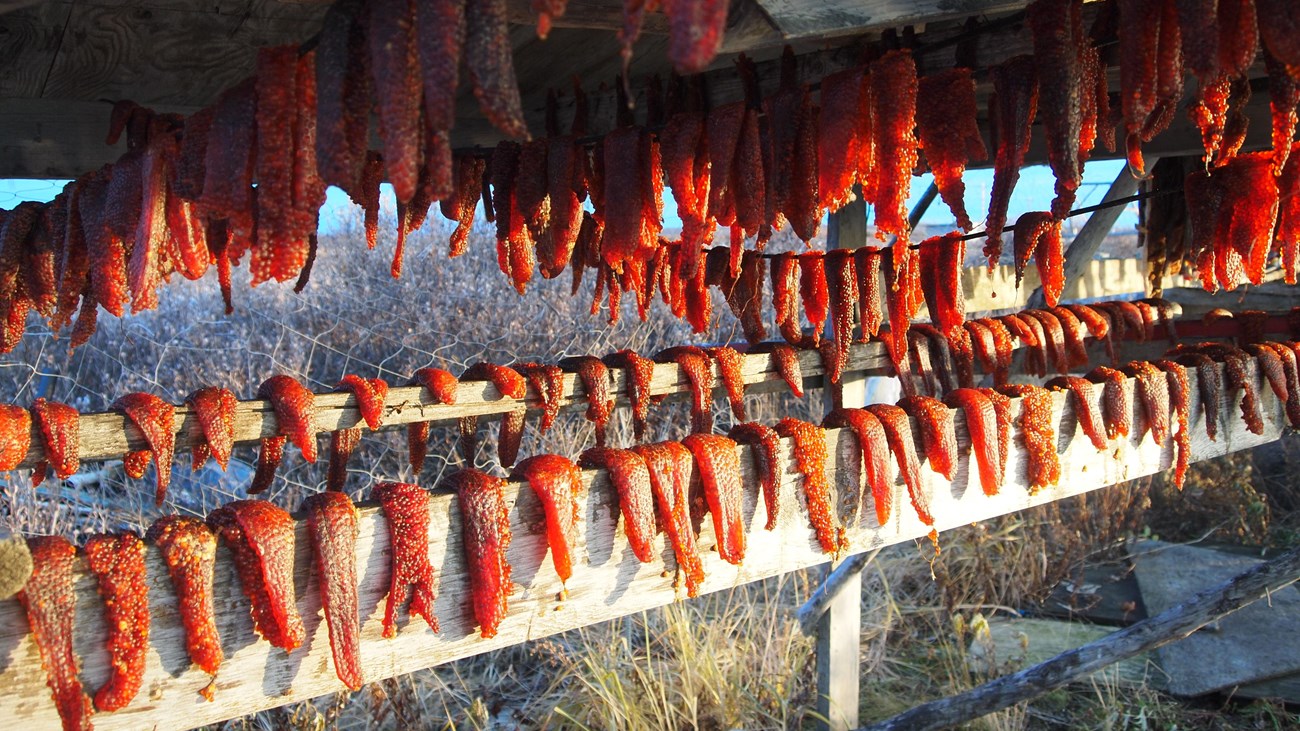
352	317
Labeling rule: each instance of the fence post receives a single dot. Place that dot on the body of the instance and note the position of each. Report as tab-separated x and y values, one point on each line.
840	629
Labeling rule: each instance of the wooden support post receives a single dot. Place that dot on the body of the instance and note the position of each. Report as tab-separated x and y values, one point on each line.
839	630
1094	231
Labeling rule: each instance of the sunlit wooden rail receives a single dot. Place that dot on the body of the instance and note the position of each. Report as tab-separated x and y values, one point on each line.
607	582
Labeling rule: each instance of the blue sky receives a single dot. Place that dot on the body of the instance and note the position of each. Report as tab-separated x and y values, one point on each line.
1034	192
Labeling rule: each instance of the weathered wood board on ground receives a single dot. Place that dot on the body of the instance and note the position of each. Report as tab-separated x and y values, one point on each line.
1019	643
607	581
1258	643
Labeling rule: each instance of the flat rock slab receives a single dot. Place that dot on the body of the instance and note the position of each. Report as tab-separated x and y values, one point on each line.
1258	643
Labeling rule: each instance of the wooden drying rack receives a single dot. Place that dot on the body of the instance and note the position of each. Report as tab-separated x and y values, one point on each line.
607	581
110	435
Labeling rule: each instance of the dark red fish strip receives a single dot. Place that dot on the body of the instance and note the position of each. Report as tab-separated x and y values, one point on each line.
870	310
343	442
156	419
260	537
813	292
15	435
942	258
698	367
269	454
51	607
810	457
332	525
294	411
189	548
548	382
1039	434
670	466
370	394
638	373
1085	410
406	511
938	433
631	479
719	470
1115	407
60	428
766	444
898	432
118	564
557	483
842	282
1153	390
729	365
595	383
1180	403
982	425
441	386
486	536
1002	412
1208	383
874	448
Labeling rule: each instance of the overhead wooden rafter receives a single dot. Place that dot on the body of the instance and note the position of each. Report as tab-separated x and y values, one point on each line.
62	63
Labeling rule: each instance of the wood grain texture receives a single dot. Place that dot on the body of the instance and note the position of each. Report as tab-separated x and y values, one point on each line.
607	581
797	18
109	435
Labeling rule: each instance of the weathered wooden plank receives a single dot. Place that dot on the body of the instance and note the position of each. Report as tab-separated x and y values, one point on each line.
607	581
797	18
109	435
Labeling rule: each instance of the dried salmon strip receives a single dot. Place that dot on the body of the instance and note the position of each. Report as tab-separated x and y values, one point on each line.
867	264
898	432
51	606
842	282
486	537
946	125
941	262
370	394
729	365
1208	384
441	386
117	561
638	374
60	428
785	293
189	548
1270	364
810	456
343	442
938	435
874	449
156	419
1011	110
893	119
719	471
490	64
548	382
294	411
982	425
1002	413
1153	392
1289	369
670	465
813	292
698	367
406	511
15	435
558	485
332	525
786	360
766	445
1239	378
1115	407
1044	465
260	537
269	455
631	479
1180	404
594	376
1085	410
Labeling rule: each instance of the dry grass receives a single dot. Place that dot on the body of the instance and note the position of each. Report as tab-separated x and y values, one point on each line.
729	660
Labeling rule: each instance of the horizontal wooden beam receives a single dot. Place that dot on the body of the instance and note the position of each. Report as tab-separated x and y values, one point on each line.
110	435
607	582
